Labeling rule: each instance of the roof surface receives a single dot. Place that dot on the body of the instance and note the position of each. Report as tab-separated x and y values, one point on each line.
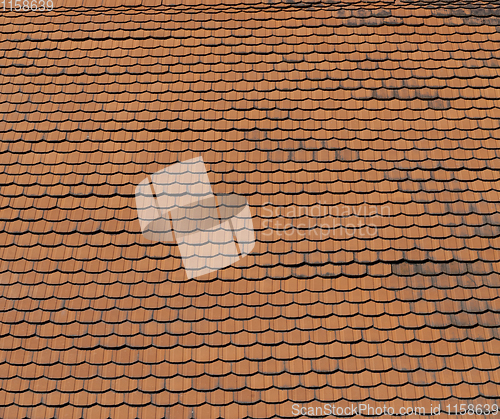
379	118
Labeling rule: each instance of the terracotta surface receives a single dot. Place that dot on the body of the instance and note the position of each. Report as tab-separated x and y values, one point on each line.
341	105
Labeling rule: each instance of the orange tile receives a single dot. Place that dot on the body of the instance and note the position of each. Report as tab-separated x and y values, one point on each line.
315	110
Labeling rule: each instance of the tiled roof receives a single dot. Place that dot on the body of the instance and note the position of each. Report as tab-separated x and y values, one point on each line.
336	106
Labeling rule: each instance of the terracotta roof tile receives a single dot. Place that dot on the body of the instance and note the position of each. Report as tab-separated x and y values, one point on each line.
385	107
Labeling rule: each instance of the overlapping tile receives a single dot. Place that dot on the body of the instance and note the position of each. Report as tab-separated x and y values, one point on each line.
383	114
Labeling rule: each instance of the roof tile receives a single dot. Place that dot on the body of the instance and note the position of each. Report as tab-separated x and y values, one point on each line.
391	108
